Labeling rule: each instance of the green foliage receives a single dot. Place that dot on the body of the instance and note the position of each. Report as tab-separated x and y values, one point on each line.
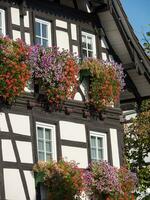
147	43
137	145
63	179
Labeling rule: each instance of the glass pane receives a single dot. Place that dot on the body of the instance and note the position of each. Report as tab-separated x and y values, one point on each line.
48	156
84	53
45	43
40	132
93	141
38	41
44	31
40	145
1	31
93	153
90	54
100	142
41	155
89	43
37	29
48	147
100	154
48	134
83	41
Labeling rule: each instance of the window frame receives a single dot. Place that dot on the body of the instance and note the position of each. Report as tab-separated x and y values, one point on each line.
48	24
104	142
93	37
3	22
53	132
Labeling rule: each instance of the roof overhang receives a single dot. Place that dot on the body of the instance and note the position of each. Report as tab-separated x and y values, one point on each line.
127	47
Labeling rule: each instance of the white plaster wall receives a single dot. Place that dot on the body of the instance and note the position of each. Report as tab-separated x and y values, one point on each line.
13	185
30	184
111	58
78	97
72	131
25	151
62	40
114	147
16	35
61	23
73	31
104	56
84	86
104	43
20	124
8	151
27	38
15	16
77	154
3	123
26	19
75	50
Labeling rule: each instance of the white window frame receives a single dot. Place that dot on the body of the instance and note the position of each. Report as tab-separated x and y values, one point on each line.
53	131
48	24
3	22
104	140
83	33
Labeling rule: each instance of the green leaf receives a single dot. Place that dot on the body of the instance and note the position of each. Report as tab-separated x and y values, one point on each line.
39	178
84	73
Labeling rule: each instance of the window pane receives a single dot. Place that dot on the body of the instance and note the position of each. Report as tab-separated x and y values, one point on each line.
100	142
48	134
40	145
83	41
100	154
40	132
1	31
48	147
90	54
48	156
89	43
37	29
93	141
38	41
41	155
84	53
93	153
45	43
44	31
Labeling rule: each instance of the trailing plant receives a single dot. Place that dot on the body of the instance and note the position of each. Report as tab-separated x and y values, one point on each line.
104	181
63	179
14	69
56	72
106	81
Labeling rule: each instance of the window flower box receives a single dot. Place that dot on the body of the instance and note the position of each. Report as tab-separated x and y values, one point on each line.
106	82
14	69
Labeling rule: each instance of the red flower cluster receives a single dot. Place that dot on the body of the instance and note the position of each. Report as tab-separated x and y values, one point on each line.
106	81
14	72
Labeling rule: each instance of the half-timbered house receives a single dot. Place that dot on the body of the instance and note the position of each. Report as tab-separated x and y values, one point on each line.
29	132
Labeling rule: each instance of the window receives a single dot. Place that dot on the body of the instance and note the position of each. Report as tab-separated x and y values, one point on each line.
42	32
2	22
98	144
88	45
46	141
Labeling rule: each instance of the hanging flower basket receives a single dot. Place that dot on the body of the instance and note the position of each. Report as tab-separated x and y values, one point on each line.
63	179
14	70
106	81
105	182
55	71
